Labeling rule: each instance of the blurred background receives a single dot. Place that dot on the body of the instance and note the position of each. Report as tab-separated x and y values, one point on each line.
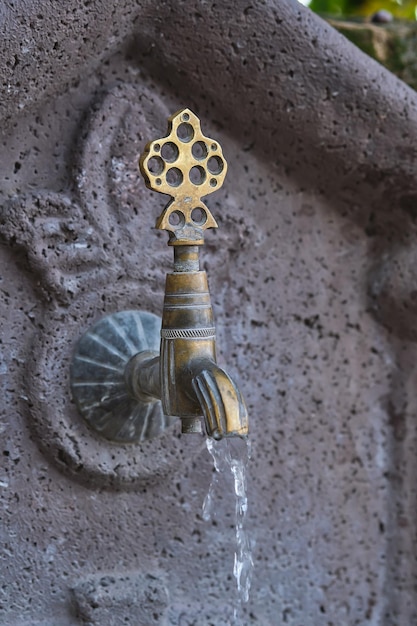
366	9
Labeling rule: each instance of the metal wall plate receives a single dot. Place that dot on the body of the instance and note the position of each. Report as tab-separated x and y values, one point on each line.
98	381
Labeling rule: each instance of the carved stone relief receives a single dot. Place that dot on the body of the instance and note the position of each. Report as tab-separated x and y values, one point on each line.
83	250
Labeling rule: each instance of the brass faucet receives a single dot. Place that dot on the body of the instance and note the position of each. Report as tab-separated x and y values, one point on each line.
184	376
186	165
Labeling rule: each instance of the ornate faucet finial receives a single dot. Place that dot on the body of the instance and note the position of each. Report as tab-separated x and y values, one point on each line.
185	165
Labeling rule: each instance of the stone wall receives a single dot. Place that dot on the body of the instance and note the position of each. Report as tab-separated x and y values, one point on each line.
312	276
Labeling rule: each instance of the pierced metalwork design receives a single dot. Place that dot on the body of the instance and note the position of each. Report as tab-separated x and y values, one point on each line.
186	165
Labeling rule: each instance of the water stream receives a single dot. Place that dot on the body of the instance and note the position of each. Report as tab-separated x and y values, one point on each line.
232	457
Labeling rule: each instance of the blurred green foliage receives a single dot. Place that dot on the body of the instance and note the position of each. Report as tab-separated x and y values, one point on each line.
405	10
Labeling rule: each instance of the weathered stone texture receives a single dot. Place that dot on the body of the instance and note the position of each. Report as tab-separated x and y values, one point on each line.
312	280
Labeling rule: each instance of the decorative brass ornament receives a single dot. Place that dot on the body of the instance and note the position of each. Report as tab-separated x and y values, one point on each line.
121	385
186	165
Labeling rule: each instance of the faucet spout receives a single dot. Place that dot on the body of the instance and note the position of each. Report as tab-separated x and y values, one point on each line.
221	401
185	375
192	384
216	396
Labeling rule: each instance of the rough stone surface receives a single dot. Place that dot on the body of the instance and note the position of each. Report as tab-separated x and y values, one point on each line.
121	599
312	277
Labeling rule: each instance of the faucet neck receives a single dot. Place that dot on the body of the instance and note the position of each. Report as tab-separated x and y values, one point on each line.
186	259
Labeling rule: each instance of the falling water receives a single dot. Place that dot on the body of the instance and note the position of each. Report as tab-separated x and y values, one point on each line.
232	457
